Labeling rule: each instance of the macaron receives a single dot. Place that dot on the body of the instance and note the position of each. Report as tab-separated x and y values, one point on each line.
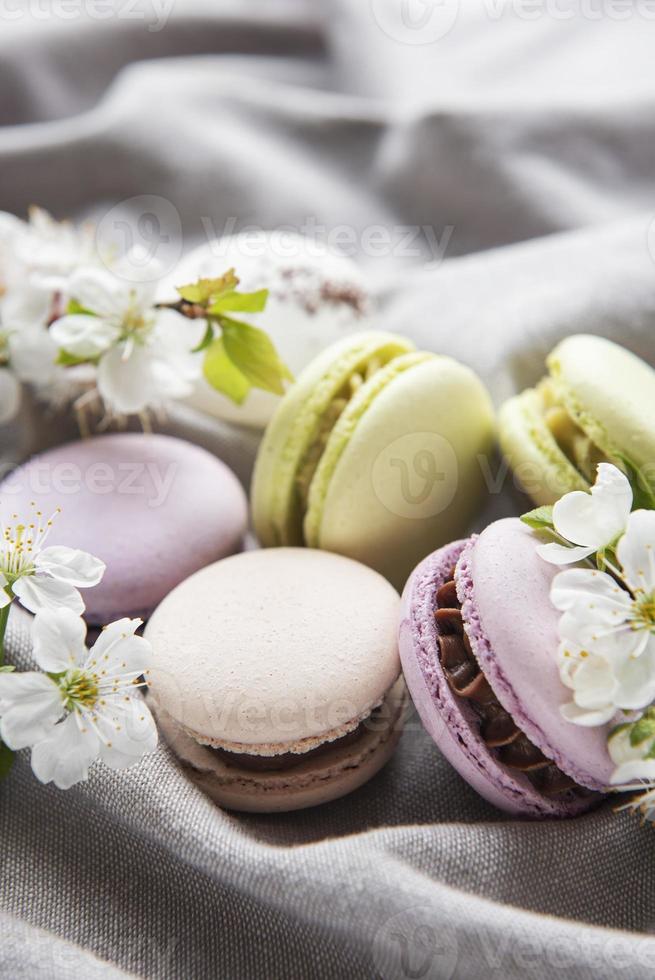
594	405
376	452
315	297
478	643
275	677
153	508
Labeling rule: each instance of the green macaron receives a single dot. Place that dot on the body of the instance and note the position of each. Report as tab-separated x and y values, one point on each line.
377	452
596	404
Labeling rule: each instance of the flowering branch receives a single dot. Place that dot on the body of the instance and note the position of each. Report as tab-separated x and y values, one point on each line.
71	319
238	356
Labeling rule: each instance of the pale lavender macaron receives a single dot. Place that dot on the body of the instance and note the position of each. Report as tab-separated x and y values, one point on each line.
509	638
155	509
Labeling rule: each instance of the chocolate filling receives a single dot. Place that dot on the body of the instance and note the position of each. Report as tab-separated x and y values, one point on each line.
511	746
288	760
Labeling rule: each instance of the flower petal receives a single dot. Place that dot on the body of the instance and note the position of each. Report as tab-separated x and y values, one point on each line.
631	772
125	384
130	731
78	568
65	756
84	336
595	684
636	551
176	336
120	650
59	640
621	749
37	592
591	595
587	718
560	554
595	519
636	683
100	292
30	705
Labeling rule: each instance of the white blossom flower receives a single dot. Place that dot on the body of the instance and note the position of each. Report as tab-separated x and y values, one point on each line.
85	706
36	257
590	521
629	746
44	578
144	354
607	650
49	250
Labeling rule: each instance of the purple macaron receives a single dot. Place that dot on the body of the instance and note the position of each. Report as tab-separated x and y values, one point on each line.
478	644
155	509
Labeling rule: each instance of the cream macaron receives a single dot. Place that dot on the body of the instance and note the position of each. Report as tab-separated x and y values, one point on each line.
275	677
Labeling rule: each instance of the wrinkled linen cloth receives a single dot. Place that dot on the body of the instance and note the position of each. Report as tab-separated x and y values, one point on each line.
510	160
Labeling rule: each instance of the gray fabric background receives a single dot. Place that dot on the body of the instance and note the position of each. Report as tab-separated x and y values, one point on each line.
533	140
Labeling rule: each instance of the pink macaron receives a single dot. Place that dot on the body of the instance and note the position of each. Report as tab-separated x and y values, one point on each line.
478	644
155	509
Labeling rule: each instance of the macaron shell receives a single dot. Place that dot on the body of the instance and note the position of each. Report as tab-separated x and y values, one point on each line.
275	505
411	476
452	724
512	625
319	780
342	433
153	508
275	646
529	446
609	392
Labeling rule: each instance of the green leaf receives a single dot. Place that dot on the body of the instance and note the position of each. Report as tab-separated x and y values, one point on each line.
643	491
254	353
67	359
206	340
6	760
75	309
206	290
642	729
223	375
7	669
234	302
540	518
